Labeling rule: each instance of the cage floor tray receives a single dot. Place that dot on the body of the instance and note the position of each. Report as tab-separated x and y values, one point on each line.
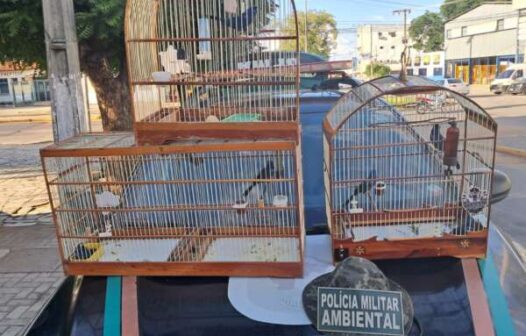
152	250
253	250
399	231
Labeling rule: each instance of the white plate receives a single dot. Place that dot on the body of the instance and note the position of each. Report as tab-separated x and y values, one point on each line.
279	301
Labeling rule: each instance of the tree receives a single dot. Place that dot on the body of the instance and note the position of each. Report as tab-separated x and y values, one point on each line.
101	46
453	8
321	33
374	70
427	32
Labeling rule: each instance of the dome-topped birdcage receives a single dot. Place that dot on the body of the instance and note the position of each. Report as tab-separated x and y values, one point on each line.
409	169
223	63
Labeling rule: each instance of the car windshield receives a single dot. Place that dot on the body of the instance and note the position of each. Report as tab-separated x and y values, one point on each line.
506	74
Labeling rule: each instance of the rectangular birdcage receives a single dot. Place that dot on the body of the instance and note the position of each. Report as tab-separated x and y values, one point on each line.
408	171
195	207
212	65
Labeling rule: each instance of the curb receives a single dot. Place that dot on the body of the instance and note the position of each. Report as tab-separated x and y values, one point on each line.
511	151
27	119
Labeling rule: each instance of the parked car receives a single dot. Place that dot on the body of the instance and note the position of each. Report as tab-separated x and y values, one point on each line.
507	78
455	84
333	80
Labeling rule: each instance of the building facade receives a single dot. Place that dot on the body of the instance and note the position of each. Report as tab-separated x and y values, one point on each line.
382	43
481	43
19	86
427	64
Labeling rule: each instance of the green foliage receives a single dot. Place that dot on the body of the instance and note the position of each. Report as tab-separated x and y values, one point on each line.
321	33
22	32
374	70
453	8
427	32
100	30
99	25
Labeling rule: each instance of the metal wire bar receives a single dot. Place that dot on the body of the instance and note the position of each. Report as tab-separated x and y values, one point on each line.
179	206
239	57
390	173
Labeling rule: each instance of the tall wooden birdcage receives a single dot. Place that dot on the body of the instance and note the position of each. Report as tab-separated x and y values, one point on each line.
198	207
408	171
213	67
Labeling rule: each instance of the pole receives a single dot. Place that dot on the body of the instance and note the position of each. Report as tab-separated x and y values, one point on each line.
371	55
306	26
405	40
67	106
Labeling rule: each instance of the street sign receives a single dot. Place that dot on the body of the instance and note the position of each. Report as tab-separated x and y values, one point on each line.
360	311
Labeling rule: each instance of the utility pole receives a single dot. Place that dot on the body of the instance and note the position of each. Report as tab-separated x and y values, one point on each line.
67	105
405	40
306	25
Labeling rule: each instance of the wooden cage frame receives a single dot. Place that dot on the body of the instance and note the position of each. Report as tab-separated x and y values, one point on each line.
142	27
190	237
468	245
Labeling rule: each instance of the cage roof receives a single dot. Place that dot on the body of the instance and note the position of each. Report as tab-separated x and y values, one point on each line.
361	96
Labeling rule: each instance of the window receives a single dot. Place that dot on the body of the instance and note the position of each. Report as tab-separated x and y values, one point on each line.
392	34
438	71
417	60
448	33
500	24
381	47
464	31
4	86
519	74
392	47
380	34
410	72
422	72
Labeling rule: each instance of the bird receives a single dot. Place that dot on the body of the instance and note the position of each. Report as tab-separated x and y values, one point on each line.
271	170
363	188
240	22
437	139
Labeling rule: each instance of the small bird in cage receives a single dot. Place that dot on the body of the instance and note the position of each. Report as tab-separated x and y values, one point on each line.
363	188
273	169
448	146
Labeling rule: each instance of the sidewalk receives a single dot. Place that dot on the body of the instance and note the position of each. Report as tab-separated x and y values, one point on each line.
40	112
29	264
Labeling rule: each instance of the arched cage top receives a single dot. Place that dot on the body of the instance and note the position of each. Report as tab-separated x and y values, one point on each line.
213	60
422	95
408	170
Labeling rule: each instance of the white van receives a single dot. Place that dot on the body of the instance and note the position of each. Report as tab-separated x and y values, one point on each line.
503	81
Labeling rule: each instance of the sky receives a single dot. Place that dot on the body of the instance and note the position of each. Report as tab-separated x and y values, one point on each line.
349	13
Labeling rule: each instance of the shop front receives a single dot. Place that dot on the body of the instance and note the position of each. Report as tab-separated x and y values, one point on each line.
480	70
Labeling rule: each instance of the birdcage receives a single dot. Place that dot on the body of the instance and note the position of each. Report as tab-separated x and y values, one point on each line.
408	171
206	66
196	207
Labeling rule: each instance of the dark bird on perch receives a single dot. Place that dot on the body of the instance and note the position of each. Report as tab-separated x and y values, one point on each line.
437	139
363	188
271	170
240	22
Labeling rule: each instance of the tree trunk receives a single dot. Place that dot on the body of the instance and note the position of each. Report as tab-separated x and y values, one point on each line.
112	91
